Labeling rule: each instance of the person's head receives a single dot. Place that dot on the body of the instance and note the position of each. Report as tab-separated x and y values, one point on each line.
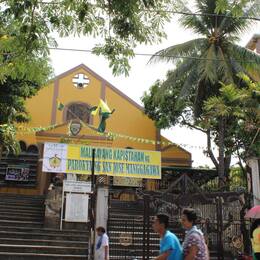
161	223
100	231
188	218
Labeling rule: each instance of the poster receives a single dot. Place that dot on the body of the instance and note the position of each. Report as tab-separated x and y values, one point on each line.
17	173
76	207
71	158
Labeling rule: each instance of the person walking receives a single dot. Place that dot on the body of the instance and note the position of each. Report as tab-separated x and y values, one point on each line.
102	245
170	247
255	239
194	246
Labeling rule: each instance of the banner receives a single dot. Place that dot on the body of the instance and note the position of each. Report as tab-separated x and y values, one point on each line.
71	158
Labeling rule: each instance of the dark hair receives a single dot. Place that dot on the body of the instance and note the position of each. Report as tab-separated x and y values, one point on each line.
254	225
163	219
101	229
191	215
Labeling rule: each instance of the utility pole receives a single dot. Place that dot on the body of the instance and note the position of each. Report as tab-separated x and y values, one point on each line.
92	208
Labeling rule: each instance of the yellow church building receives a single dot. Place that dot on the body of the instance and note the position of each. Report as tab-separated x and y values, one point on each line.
60	107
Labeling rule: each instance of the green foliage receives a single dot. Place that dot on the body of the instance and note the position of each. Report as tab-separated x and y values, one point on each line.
123	24
215	56
24	66
8	139
237	181
241	111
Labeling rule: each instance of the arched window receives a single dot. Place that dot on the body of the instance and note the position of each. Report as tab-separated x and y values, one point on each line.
22	146
32	149
78	111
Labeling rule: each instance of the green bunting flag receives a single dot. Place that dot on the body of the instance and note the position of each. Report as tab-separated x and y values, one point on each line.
60	106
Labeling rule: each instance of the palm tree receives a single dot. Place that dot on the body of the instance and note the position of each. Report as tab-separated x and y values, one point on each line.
215	57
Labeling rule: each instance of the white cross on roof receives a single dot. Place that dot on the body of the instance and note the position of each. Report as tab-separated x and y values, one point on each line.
80	80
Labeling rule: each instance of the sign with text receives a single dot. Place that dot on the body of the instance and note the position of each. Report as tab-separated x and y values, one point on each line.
76	207
71	158
127	181
76	186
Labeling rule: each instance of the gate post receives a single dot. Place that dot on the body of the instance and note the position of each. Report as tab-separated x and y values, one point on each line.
219	201
148	226
144	227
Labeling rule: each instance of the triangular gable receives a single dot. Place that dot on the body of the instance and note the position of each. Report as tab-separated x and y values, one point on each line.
108	84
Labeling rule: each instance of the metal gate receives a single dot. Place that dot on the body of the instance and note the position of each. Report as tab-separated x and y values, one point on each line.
221	219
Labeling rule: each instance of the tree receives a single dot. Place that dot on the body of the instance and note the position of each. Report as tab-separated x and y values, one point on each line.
240	111
122	24
201	64
24	70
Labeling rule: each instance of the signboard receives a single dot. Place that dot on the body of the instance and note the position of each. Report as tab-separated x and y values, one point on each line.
127	181
76	186
76	207
17	173
71	158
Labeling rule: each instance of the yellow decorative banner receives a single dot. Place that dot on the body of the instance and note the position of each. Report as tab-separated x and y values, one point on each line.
71	158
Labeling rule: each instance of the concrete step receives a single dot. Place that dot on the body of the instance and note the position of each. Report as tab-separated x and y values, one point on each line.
21	204
22	213
21	207
39	256
21	196
21	223
52	242
43	249
43	235
44	230
21	217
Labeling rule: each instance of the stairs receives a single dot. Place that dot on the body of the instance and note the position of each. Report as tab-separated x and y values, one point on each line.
22	235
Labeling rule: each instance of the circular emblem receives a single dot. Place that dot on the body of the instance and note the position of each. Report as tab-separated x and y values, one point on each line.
126	239
237	242
80	80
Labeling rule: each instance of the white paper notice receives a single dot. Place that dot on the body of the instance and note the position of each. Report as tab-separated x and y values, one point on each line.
76	208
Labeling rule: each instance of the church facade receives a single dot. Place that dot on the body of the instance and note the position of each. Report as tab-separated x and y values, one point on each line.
61	111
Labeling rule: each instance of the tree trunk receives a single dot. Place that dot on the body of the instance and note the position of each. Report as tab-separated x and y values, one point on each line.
209	150
221	168
227	161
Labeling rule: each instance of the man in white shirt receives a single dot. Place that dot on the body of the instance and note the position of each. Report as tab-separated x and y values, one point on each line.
102	245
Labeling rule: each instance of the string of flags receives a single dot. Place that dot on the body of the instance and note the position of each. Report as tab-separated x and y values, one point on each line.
111	135
104	112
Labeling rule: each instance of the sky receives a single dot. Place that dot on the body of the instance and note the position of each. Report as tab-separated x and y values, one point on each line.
141	77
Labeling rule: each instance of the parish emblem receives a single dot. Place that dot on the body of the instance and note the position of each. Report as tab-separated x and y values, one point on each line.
55	161
75	128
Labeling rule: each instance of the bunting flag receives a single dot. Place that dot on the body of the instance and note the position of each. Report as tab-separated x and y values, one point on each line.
102	106
104	112
60	106
101	130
